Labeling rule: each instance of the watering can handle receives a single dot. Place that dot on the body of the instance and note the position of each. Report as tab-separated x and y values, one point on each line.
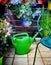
20	34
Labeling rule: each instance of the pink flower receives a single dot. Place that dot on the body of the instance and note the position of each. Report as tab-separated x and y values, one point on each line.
6	22
7	34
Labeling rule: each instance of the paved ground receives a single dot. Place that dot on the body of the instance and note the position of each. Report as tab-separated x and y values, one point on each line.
43	56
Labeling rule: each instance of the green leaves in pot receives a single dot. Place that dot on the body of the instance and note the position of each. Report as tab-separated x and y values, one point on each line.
45	23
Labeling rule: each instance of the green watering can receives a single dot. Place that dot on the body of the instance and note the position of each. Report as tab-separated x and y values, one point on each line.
22	42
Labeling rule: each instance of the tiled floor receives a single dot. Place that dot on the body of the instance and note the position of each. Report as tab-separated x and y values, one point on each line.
43	56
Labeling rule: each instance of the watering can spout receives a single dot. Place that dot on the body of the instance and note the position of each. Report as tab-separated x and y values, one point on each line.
36	34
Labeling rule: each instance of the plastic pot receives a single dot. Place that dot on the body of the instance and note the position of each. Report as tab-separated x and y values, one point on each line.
49	5
1	60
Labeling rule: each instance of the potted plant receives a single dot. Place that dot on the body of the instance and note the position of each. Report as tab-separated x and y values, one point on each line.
1	59
45	23
49	4
5	31
23	11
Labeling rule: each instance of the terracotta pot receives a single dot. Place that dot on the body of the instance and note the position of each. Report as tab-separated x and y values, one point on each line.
3	2
40	2
24	1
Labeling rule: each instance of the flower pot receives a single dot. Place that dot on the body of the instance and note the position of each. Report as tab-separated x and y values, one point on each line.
49	5
3	2
1	60
26	22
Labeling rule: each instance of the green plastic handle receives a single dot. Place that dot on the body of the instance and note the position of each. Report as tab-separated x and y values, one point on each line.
20	34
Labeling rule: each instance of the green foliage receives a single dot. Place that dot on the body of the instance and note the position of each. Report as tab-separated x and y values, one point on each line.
2	27
2	17
22	10
49	0
14	8
45	23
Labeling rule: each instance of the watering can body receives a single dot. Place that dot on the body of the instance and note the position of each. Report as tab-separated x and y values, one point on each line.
22	42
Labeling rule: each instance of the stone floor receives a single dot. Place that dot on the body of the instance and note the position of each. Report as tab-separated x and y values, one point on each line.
43	56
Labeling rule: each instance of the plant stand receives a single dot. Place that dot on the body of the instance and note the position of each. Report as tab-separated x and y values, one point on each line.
46	41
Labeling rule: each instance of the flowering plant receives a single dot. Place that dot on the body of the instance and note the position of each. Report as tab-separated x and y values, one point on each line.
25	10
5	32
5	28
21	10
